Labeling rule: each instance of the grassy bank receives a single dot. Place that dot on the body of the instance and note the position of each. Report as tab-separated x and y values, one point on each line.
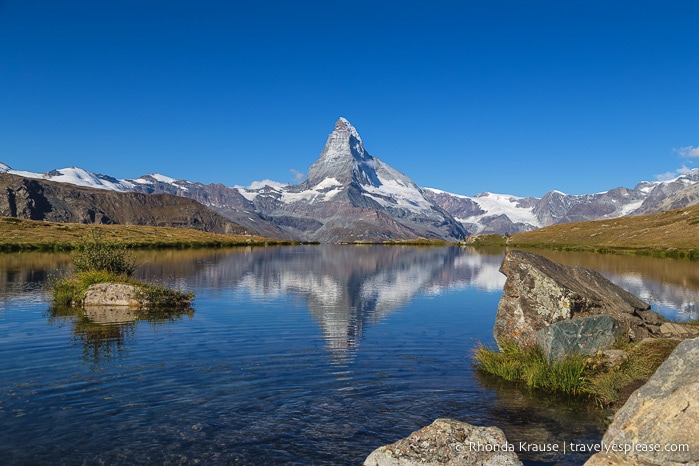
588	376
673	233
30	235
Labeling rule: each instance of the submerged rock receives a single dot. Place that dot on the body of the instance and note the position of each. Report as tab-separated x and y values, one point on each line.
659	424
447	442
539	293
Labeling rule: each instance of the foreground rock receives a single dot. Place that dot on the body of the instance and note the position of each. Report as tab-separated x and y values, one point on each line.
539	293
448	443
659	424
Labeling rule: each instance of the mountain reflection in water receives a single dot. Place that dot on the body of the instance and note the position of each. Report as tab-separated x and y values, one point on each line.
345	288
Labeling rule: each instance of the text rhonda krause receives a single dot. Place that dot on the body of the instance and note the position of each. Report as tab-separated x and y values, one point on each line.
564	447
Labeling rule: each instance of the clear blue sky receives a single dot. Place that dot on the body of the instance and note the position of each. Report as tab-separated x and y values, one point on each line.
516	97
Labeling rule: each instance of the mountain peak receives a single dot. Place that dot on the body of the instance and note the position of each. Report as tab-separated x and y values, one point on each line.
342	155
342	125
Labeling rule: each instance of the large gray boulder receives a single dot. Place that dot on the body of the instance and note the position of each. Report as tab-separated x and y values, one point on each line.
447	442
539	293
659	424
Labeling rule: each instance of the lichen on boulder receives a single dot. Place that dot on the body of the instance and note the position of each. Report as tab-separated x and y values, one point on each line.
113	294
586	335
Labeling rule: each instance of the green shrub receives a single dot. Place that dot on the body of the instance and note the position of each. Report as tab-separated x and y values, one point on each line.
96	253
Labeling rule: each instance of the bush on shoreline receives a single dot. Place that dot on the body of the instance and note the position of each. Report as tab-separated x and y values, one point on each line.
95	253
100	261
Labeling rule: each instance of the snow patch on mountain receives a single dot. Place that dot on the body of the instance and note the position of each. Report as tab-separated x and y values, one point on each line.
149	180
629	208
261	184
323	191
392	193
493	205
507	204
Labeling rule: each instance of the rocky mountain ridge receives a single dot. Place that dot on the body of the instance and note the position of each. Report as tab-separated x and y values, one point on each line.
350	195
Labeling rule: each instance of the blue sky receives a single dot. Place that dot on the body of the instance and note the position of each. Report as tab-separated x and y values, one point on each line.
466	96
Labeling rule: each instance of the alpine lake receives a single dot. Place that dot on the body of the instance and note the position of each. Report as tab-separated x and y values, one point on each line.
305	355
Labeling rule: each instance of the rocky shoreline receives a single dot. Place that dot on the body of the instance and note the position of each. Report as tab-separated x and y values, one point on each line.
568	310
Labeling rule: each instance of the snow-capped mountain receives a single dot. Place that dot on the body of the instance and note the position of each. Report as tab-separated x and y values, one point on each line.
499	213
76	176
488	212
350	195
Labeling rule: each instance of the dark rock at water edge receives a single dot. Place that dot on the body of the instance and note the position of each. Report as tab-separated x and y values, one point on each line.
586	335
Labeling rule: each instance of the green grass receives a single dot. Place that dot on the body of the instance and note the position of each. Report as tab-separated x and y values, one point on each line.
69	291
160	297
486	240
576	374
31	235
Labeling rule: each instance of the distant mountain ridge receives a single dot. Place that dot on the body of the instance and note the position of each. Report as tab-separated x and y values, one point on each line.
500	213
350	195
40	199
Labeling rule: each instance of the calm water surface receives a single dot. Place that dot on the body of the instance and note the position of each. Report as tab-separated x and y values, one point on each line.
299	355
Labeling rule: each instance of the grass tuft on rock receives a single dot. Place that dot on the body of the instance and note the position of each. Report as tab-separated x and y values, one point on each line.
577	374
